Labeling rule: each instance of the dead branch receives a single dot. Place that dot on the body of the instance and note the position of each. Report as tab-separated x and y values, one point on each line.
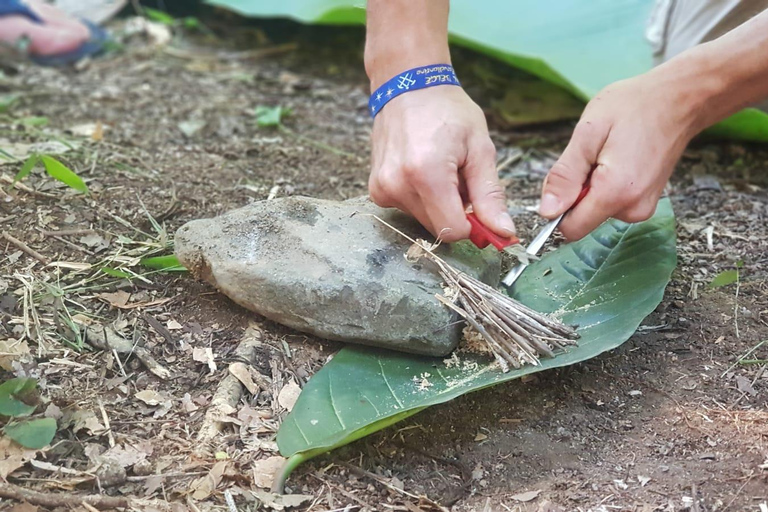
229	391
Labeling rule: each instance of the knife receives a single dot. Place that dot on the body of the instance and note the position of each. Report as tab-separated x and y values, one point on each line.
482	237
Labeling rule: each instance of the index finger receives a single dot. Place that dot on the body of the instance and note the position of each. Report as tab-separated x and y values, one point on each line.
443	205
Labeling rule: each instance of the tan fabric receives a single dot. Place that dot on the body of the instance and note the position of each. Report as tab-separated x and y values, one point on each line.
676	25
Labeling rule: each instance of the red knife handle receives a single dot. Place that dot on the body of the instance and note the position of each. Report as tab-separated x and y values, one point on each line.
482	237
583	193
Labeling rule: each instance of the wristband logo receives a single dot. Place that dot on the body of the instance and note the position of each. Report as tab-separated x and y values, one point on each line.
405	81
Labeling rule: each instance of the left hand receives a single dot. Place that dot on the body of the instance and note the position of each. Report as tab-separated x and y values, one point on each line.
629	137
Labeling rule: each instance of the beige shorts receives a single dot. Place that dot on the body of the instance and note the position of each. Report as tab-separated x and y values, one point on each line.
676	25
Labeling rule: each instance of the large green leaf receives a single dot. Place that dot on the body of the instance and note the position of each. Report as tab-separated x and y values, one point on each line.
33	434
579	45
606	283
11	391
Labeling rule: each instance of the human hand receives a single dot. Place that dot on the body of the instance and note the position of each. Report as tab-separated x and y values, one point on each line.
629	138
432	154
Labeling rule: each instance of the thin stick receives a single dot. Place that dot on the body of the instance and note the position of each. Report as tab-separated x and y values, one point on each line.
515	334
52	500
68	232
25	248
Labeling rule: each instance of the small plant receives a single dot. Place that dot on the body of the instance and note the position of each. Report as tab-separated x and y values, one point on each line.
55	170
190	22
30	433
270	117
726	277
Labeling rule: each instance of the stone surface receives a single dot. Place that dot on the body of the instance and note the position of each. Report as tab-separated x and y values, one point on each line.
331	269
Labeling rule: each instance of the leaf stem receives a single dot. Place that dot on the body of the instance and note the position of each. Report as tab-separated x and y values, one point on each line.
278	486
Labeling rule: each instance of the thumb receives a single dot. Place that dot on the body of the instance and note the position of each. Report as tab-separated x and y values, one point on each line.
483	188
566	178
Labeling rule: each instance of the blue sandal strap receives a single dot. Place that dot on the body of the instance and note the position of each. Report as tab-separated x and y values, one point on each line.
18	8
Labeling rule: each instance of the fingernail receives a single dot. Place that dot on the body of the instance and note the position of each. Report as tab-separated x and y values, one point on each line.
506	223
550	205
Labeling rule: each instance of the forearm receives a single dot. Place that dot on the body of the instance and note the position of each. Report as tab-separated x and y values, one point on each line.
403	34
725	75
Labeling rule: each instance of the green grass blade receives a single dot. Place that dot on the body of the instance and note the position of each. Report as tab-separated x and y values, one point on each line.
64	174
30	164
167	263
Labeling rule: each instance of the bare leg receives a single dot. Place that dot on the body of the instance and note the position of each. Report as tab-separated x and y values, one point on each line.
60	33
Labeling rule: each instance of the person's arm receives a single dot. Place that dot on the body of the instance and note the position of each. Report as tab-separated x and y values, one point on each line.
633	132
431	152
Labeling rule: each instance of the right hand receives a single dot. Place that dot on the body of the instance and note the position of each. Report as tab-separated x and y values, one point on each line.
431	155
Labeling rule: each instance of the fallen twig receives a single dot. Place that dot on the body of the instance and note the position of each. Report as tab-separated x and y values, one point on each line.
229	391
25	248
515	334
54	500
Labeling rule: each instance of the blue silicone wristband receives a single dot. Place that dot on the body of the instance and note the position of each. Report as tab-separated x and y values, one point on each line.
411	80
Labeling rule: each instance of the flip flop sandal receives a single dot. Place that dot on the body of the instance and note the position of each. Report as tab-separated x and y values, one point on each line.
94	46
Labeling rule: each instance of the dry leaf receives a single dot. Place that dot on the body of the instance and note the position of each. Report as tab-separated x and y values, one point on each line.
95	242
70	265
12	350
150	397
53	411
243	374
204	486
281	501
173	325
128	455
526	496
204	355
24	507
249	417
187	403
83	419
13	456
86	130
745	386
480	437
288	395
118	299
265	470
98	132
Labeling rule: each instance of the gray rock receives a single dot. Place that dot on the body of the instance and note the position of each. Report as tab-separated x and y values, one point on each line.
331	269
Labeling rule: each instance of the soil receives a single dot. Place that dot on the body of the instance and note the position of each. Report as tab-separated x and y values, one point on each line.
669	421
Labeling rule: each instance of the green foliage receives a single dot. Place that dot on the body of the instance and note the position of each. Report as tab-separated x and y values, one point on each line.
64	174
34	121
112	272
29	164
35	433
164	263
580	46
190	22
606	284
270	116
55	170
726	277
159	16
7	101
11	393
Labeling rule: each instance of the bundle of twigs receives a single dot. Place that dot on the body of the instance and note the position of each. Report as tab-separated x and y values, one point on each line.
515	334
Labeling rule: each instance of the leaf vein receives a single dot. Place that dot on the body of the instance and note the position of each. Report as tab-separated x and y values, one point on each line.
391	391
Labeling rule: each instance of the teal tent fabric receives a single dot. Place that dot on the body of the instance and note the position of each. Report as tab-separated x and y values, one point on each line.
581	45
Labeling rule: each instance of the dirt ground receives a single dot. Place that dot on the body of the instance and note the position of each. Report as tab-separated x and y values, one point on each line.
670	421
